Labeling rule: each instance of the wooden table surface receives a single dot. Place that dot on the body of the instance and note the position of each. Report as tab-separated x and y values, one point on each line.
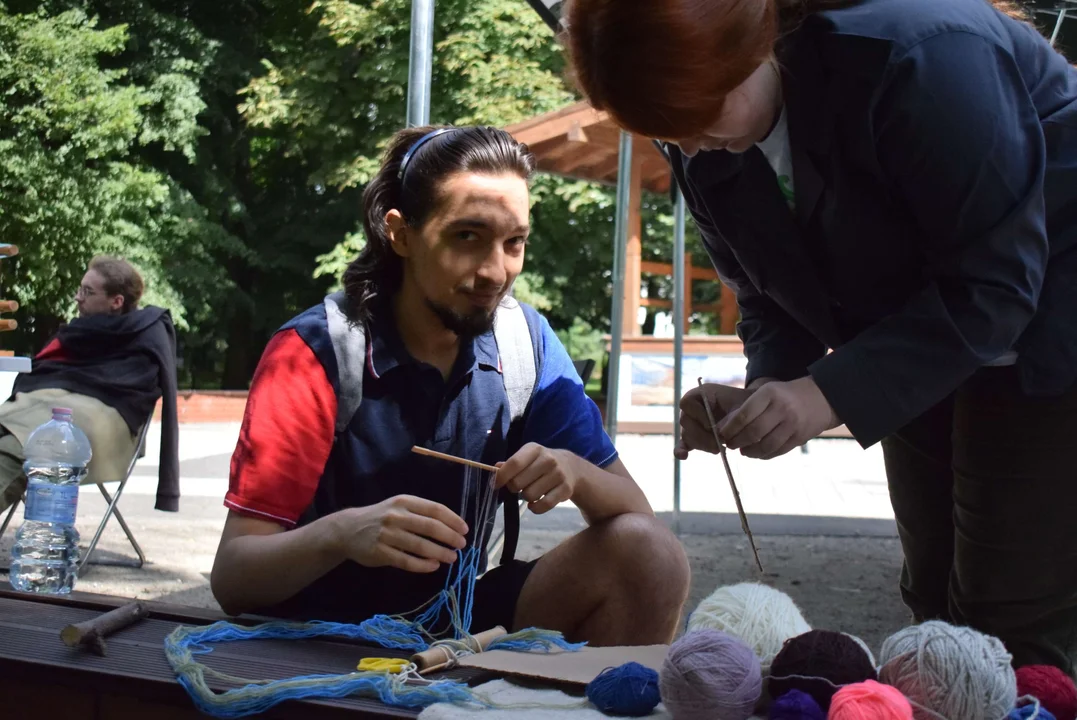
41	677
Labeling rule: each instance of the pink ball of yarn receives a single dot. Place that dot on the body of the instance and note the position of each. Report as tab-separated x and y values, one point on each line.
869	700
710	675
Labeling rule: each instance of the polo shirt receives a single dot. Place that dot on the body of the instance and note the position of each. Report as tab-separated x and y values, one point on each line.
290	465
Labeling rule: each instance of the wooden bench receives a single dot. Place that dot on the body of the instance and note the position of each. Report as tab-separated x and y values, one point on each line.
41	677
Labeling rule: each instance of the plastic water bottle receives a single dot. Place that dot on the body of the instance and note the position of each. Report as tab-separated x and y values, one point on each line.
45	556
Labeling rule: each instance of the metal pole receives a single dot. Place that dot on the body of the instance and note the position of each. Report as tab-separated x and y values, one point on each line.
620	243
420	62
1058	25
678	346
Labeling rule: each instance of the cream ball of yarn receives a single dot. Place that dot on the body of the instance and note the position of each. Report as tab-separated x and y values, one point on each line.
949	671
761	616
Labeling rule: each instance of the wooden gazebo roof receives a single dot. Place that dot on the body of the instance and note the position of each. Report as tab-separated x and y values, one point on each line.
582	143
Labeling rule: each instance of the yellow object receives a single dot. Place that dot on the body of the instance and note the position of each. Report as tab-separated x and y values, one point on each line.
392	665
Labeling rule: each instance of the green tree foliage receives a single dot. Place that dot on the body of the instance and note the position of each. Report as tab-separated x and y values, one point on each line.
224	146
70	180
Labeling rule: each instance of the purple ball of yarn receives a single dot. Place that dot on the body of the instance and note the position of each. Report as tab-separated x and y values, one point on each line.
710	675
796	705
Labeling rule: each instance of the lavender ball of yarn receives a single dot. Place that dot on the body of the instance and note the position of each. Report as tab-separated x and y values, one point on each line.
796	705
710	675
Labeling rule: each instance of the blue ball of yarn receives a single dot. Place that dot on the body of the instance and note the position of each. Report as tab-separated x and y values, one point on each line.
796	705
1030	712
630	689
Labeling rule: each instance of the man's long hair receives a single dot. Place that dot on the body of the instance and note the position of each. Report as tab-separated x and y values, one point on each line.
378	270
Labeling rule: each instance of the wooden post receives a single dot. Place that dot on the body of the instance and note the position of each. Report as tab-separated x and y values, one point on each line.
634	251
688	272
729	312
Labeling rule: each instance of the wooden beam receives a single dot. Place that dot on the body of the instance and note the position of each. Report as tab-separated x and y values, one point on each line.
574	118
605	170
666	269
589	156
655	302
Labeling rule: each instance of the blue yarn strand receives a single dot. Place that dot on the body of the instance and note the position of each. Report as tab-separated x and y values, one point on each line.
456	601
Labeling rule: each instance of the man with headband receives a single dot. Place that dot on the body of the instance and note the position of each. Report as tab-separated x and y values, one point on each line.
331	514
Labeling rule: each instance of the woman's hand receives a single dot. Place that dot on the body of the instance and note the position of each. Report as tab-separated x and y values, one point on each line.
696	431
778	417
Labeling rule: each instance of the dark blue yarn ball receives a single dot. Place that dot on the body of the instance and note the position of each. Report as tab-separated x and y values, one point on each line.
630	689
796	705
1029	712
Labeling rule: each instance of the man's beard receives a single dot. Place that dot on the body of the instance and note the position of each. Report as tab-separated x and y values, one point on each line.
467	327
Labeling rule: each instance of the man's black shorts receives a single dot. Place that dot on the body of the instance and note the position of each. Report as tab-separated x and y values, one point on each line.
496	594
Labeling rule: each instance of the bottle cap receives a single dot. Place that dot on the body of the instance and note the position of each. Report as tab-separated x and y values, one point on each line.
62	411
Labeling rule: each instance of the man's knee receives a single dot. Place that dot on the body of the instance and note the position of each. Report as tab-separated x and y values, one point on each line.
647	554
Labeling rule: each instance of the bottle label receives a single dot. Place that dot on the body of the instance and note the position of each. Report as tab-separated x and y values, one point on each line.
50	503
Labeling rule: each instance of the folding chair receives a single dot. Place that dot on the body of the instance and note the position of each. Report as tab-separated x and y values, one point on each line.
113	509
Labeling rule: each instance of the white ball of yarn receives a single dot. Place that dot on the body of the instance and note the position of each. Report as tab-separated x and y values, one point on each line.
761	616
949	671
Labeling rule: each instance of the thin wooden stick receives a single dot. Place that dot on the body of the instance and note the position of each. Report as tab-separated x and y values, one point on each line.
729	474
441	657
452	458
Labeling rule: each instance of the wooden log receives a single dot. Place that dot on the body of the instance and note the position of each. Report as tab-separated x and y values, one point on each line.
91	634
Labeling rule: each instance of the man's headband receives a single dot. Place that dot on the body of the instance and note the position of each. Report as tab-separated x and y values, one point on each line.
415	148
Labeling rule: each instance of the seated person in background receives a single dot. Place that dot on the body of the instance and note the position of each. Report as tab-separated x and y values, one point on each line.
331	514
110	365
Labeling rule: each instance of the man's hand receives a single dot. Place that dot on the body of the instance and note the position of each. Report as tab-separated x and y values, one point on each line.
778	417
404	532
544	477
696	432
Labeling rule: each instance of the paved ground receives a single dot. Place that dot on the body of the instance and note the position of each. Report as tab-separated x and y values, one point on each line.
822	521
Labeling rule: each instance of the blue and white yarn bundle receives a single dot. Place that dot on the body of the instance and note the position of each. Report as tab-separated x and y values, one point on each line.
405	689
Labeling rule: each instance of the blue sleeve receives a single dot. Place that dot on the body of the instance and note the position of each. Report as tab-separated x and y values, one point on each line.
959	141
562	416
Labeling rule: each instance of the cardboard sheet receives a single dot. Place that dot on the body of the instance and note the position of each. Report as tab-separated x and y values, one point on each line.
521	703
575	668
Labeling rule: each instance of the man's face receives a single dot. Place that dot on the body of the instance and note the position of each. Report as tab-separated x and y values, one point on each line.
467	255
92	298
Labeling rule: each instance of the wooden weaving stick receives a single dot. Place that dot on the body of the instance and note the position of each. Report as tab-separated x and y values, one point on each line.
91	633
441	657
452	458
729	474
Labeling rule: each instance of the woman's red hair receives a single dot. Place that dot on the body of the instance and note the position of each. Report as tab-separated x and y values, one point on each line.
706	48
662	68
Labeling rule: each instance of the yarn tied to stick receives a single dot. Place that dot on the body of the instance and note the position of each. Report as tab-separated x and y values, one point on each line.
950	672
819	662
1052	687
869	700
710	675
796	705
630	689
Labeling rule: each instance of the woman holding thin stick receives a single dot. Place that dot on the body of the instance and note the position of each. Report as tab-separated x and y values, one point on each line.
890	188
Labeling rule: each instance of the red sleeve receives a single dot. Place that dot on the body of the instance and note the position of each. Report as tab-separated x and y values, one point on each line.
286	436
52	351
